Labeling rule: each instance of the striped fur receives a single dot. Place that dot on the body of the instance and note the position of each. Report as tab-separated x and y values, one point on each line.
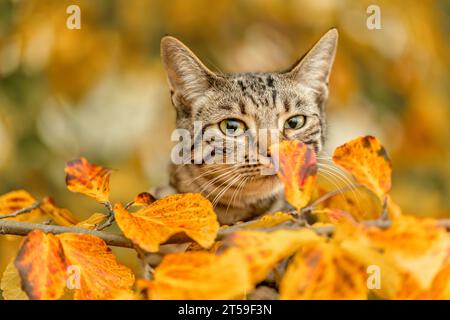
263	100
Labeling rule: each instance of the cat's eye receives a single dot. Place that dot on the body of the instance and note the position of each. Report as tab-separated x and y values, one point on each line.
232	127
295	122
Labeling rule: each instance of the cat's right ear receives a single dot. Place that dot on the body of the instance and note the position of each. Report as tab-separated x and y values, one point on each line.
188	77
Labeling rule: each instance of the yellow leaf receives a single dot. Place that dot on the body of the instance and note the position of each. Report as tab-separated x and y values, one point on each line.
270	220
410	253
263	250
61	216
16	200
417	246
297	170
189	213
361	204
101	276
369	163
390	277
323	271
10	284
89	179
92	221
199	275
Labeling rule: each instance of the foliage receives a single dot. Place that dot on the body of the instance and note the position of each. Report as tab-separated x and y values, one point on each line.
337	257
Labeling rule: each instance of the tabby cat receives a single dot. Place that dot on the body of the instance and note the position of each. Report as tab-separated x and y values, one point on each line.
291	102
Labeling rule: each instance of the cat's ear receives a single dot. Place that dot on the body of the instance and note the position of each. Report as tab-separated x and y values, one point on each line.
187	74
313	70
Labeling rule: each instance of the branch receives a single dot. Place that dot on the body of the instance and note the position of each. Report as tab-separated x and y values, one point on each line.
20	228
110	218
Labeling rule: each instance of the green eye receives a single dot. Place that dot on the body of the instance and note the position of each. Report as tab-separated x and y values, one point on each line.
232	127
295	122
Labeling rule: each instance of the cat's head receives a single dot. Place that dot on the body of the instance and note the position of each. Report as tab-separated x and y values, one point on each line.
289	102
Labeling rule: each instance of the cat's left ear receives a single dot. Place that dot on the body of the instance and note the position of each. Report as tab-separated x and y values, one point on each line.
313	70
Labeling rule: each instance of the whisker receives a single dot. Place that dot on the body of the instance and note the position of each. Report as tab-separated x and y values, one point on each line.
236	191
340	176
207	172
206	185
222	192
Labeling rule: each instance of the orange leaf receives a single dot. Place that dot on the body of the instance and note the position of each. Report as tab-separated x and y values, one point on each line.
270	220
263	250
334	215
369	163
190	213
144	199
89	179
42	266
417	246
410	253
323	271
101	276
46	263
297	171
16	200
92	221
199	275
61	216
360	204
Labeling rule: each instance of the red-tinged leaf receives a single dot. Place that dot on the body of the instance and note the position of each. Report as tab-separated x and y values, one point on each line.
297	171
369	163
42	266
89	179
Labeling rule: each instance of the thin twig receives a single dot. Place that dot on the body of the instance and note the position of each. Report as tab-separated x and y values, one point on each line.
21	228
384	212
109	220
32	207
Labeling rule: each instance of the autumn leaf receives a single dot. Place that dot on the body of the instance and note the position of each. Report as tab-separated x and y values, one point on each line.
143	199
101	276
270	220
297	170
323	271
89	179
263	250
92	221
42	266
333	215
10	284
360	204
61	216
410	253
45	261
199	275
188	213
369	163
387	278
16	200
417	246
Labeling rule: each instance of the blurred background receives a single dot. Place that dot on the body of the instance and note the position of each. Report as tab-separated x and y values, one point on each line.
100	92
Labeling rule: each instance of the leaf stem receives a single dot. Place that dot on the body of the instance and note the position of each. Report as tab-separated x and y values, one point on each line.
109	220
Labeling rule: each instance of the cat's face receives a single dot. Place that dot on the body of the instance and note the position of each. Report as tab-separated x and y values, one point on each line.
289	103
